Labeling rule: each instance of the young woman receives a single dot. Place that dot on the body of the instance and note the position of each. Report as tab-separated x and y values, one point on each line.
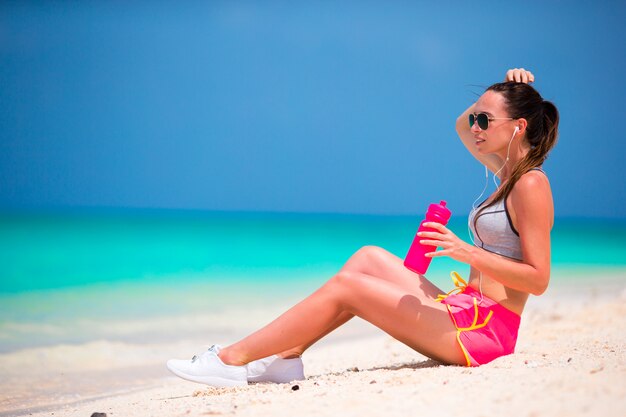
510	130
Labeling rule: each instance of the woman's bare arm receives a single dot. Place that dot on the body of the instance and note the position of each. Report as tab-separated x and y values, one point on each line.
531	199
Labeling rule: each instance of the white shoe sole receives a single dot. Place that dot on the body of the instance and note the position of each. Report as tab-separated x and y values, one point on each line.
278	379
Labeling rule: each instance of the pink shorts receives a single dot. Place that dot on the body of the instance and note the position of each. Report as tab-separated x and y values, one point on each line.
485	331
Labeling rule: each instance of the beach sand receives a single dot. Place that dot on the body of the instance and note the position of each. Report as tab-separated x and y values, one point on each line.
570	361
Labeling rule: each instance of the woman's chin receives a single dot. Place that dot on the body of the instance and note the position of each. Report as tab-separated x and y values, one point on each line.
481	150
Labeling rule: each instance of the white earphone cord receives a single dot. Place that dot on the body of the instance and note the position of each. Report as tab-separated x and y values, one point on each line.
469	230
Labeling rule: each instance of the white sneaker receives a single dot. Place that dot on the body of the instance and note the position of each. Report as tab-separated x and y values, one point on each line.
208	368
275	369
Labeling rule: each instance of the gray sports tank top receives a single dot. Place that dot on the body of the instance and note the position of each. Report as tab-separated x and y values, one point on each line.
494	230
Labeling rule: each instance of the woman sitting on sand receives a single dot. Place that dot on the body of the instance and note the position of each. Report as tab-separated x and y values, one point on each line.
511	129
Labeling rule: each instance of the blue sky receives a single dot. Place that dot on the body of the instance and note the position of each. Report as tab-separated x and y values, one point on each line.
305	107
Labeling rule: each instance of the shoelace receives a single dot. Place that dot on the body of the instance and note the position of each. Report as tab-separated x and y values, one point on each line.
213	348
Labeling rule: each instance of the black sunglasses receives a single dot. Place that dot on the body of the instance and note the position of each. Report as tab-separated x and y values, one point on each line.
483	120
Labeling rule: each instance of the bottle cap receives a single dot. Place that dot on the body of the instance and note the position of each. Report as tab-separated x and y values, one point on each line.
441	211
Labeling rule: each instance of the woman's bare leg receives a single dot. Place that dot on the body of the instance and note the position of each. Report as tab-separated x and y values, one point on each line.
410	317
379	263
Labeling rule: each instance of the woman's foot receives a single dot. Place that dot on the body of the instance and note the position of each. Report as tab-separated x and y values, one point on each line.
207	368
280	368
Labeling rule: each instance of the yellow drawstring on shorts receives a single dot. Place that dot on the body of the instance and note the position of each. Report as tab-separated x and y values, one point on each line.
459	284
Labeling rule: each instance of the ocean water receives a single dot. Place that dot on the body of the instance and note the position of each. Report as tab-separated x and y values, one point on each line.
65	276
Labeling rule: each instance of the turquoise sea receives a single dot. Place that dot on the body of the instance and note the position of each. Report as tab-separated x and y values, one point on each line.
58	267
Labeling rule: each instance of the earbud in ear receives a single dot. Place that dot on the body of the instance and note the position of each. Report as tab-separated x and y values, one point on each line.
516	130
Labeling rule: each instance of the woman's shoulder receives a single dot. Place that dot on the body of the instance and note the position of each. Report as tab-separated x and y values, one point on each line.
532	181
532	194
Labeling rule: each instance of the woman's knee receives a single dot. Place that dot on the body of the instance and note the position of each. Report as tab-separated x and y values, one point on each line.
345	279
365	258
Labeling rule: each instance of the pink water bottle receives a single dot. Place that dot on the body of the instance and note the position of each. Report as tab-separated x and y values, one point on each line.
415	259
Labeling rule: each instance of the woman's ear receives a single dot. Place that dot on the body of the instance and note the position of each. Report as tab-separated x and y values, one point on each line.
521	126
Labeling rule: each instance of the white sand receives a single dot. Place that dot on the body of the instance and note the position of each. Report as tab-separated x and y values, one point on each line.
570	361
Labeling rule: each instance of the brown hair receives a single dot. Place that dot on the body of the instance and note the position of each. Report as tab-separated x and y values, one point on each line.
523	101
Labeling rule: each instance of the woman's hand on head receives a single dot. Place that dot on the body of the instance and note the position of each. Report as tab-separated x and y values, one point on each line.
451	245
519	75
